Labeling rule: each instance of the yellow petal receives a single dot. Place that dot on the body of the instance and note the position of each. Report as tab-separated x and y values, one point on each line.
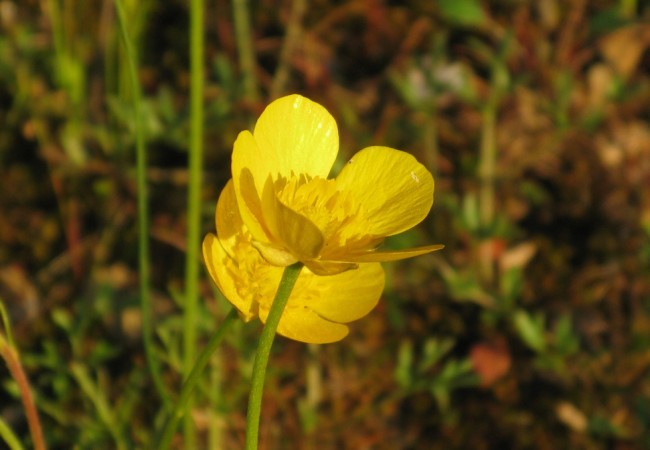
392	255
324	268
274	255
227	218
348	296
297	234
395	189
293	135
220	267
248	191
304	325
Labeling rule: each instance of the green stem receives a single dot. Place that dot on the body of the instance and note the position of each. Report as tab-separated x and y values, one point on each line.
245	48
314	381
98	398
431	140
190	383
9	437
5	323
193	200
289	278
291	41
628	8
486	208
499	81
143	209
215	393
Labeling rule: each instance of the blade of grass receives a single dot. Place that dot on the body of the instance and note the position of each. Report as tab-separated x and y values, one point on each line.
101	403
5	324
499	80
194	203
9	437
291	41
191	381
241	16
143	210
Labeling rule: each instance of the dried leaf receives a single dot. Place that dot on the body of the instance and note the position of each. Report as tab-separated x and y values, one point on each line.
571	416
490	361
624	48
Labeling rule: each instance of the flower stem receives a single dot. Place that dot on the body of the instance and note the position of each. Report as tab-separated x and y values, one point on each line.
289	278
190	383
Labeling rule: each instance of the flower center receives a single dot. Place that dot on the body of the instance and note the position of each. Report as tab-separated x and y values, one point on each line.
256	281
337	215
253	278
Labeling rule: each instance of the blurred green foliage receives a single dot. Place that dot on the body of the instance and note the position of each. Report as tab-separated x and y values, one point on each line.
530	330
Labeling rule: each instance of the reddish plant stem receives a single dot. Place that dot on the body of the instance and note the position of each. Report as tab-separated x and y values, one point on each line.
10	356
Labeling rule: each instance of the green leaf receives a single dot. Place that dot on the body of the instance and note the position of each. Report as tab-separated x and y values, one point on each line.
462	12
564	338
403	374
434	350
530	329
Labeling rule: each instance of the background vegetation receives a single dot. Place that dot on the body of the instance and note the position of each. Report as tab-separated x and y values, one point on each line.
531	330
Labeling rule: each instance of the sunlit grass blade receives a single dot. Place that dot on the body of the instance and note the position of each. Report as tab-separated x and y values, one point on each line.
193	201
9	437
143	209
241	16
192	380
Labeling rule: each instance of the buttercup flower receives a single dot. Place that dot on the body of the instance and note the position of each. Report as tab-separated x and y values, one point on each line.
318	306
279	208
295	213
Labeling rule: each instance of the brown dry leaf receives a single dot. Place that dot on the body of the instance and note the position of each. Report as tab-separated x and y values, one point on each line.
626	147
571	416
131	322
600	79
518	256
18	292
490	361
624	47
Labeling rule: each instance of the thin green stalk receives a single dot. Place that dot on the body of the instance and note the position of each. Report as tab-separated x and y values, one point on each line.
431	140
499	81
143	210
487	169
291	41
289	278
190	383
194	202
215	427
9	437
6	325
628	8
101	403
241	16
314	381
57	29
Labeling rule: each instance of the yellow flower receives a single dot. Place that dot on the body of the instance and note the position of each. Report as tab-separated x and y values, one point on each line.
318	306
279	208
295	213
